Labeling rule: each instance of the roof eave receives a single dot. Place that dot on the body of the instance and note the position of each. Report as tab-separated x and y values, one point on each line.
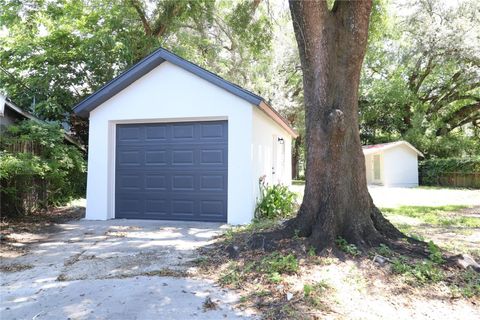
272	113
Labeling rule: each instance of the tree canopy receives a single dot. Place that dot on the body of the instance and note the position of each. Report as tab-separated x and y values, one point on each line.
56	53
420	80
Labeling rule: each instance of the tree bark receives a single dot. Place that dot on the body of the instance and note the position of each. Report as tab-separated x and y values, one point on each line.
296	156
336	203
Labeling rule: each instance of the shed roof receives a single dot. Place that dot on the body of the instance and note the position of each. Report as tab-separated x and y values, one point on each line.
377	148
153	60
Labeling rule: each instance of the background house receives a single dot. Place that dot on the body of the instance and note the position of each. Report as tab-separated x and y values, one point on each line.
171	140
11	113
392	164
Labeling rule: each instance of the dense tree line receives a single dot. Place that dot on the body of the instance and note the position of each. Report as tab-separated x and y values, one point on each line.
420	80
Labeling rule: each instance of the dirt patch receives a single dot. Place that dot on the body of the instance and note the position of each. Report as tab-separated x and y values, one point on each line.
294	283
15	267
16	234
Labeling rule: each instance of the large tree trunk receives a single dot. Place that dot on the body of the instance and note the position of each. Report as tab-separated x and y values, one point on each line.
336	202
296	156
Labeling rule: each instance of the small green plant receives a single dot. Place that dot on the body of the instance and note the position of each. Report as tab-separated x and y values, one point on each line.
435	253
313	293
311	251
232	276
384	250
276	201
466	285
235	274
416	236
347	247
400	266
275	277
262	293
276	264
418	273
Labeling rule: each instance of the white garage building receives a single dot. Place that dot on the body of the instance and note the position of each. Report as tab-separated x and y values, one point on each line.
170	140
392	164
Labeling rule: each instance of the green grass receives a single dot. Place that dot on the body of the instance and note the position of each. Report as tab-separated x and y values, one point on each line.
436	215
298	182
273	266
314	294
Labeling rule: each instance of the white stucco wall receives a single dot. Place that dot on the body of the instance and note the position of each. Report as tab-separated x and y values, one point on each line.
265	134
400	167
168	94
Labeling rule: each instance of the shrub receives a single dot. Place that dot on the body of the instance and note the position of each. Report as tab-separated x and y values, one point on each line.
56	168
432	169
276	201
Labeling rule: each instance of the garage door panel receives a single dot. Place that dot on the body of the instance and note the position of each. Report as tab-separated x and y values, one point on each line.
212	130
156	182
184	131
129	182
125	206
172	171
129	133
156	157
183	182
183	157
213	182
212	156
157	206
130	158
155	133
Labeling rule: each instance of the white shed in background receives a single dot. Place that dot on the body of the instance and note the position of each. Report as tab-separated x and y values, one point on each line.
393	164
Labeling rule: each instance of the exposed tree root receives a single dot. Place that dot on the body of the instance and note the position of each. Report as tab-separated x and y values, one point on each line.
380	231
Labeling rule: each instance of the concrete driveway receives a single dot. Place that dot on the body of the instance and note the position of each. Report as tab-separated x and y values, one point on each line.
114	269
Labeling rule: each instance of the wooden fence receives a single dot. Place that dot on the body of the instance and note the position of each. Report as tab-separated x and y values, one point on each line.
24	147
457	179
22	194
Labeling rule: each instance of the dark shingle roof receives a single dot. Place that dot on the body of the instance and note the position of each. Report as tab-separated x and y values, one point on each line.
152	61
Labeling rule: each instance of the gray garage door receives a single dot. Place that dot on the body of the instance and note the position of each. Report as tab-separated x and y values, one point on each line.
172	171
